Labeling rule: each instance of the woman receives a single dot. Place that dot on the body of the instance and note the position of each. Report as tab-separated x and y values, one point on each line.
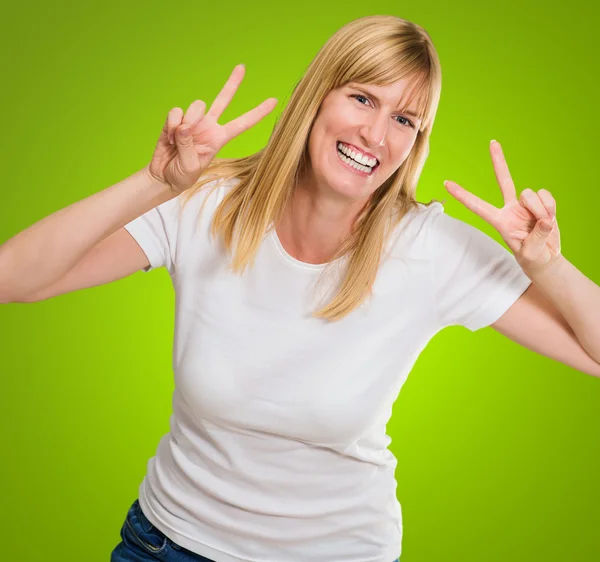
308	280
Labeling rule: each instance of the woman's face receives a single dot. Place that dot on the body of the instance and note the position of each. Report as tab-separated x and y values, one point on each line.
364	122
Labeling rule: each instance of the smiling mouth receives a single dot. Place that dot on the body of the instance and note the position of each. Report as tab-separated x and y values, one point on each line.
362	169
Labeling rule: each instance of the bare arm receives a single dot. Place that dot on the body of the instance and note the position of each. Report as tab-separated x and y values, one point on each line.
45	252
117	256
535	322
40	261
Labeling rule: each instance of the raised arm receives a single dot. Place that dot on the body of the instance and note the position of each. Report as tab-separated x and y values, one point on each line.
44	253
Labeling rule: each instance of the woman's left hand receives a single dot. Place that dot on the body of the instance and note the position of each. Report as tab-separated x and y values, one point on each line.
520	222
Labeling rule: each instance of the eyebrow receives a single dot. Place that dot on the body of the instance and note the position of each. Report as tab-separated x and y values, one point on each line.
372	95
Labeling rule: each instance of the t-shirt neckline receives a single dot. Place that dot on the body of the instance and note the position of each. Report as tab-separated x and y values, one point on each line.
290	259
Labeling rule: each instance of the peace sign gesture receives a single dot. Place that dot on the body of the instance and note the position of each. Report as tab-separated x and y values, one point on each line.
527	225
189	142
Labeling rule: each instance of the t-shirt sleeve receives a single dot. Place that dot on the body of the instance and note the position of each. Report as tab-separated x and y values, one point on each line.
476	279
156	232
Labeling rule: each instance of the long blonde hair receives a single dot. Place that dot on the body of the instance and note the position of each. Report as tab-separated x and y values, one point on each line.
375	50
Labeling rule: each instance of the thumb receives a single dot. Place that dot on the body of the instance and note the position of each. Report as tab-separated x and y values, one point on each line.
539	235
185	146
545	227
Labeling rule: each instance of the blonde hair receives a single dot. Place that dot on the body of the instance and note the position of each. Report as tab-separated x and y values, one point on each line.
377	50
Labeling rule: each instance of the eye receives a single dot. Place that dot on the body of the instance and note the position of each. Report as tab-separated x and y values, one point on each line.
407	123
357	96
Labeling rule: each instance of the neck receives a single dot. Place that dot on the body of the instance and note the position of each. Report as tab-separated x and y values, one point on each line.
314	225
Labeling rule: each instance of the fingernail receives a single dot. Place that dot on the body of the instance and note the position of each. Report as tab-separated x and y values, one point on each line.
493	140
185	132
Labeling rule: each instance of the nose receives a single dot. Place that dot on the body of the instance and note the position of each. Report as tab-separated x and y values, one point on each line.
374	130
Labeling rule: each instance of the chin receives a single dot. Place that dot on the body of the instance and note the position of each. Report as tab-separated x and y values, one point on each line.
352	190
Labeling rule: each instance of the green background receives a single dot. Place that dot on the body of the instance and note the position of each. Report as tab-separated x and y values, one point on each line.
497	446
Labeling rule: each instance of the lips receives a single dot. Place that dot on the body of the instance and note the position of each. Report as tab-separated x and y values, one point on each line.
360	150
341	155
352	168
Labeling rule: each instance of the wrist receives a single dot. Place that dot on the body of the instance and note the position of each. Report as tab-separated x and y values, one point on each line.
161	190
553	268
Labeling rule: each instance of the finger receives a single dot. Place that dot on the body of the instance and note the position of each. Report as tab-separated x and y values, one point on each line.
194	113
226	94
186	148
533	245
173	121
507	186
548	201
249	119
530	200
480	207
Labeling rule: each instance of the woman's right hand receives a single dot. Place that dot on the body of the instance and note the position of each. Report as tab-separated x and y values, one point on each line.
179	160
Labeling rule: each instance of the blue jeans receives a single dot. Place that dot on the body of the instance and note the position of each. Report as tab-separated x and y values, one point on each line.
141	541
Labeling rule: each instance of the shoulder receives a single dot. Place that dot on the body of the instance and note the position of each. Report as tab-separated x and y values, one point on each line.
430	225
204	200
414	235
427	232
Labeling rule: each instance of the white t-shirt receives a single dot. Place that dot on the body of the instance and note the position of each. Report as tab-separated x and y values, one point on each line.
277	450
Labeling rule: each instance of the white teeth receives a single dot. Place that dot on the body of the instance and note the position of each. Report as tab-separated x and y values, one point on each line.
365	160
354	164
